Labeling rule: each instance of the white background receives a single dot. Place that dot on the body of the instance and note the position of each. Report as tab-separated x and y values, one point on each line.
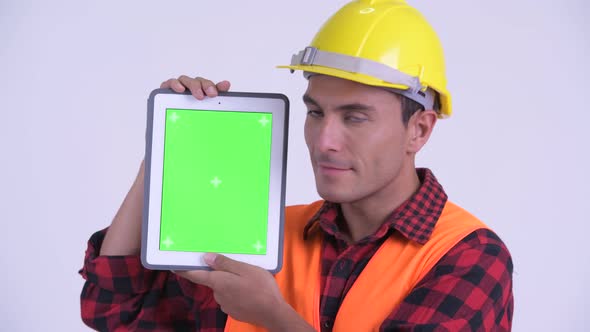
75	77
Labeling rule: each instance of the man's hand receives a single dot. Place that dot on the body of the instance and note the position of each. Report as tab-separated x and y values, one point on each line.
199	87
247	293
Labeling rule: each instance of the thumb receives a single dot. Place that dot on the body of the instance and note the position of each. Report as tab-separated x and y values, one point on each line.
222	263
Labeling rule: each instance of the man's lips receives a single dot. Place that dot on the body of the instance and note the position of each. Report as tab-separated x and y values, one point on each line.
329	168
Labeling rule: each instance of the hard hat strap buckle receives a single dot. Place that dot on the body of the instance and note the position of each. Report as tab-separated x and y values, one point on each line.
308	56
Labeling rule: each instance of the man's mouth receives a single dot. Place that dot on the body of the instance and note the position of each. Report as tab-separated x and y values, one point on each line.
332	169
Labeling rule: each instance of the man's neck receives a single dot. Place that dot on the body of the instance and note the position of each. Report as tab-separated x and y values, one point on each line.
365	216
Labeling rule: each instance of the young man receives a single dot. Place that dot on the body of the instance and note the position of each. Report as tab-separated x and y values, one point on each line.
384	250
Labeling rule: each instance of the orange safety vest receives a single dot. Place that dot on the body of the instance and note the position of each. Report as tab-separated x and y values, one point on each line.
391	274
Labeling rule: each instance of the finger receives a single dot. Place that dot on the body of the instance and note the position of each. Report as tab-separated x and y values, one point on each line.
223	263
194	85
177	86
223	86
208	87
173	84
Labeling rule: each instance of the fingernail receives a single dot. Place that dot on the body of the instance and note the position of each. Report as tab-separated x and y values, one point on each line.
209	258
211	90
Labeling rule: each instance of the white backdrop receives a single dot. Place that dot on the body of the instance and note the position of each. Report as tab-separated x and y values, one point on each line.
75	76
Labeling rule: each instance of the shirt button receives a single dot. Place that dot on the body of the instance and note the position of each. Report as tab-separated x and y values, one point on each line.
327	324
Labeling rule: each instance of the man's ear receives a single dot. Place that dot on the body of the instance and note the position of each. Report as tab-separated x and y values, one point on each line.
420	127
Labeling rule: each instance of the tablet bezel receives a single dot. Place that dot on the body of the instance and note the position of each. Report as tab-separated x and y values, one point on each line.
162	99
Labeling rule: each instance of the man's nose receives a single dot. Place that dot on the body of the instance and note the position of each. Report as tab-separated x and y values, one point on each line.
329	135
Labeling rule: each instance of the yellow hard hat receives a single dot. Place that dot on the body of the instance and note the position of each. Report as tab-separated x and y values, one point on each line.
384	43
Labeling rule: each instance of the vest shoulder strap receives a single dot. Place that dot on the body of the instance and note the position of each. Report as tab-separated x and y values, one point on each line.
396	269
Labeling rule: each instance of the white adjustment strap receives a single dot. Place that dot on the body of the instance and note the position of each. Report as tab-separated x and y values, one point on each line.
312	56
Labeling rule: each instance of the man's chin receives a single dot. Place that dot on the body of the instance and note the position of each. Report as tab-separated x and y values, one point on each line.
335	196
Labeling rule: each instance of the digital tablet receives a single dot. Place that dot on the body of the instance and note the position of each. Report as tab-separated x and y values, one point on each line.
214	179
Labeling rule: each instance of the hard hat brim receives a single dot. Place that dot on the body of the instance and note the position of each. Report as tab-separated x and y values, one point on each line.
369	80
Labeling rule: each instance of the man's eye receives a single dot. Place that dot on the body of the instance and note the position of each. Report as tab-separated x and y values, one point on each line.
355	119
314	113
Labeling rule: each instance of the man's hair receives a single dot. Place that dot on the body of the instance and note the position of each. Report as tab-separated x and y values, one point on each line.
409	107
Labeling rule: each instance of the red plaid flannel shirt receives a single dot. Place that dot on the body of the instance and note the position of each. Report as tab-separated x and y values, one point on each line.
469	289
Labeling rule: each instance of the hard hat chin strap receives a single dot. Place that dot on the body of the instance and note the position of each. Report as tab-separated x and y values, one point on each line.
312	56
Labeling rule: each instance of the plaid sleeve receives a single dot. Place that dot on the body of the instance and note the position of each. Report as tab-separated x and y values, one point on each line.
121	295
469	289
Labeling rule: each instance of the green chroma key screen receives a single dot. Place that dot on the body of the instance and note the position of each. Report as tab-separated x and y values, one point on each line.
215	185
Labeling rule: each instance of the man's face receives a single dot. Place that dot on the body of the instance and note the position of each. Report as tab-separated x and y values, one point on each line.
356	139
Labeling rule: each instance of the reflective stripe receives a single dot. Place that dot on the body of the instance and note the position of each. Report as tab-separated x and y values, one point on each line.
311	56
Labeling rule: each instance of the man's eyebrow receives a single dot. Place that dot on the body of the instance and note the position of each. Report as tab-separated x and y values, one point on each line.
355	107
346	107
308	100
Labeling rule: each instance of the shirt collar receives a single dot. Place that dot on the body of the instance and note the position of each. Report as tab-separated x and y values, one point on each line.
414	219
